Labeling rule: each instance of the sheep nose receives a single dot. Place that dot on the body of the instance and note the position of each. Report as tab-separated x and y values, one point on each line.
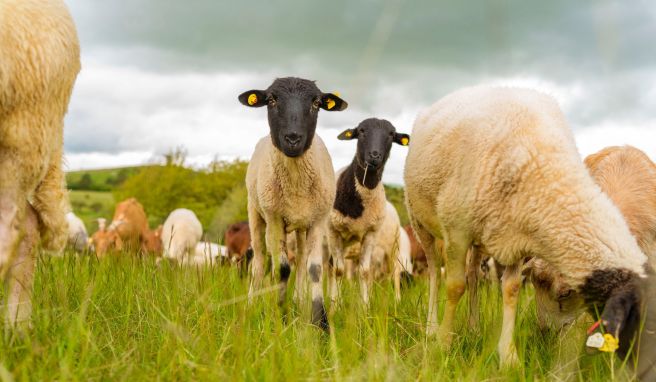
374	154
293	139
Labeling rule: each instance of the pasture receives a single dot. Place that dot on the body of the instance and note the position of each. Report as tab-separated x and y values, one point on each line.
124	318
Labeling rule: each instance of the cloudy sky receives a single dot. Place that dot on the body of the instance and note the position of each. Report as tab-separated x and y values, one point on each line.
161	74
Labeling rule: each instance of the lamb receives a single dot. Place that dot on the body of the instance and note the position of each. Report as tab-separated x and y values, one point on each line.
498	167
291	186
128	231
628	177
181	233
40	62
359	208
77	233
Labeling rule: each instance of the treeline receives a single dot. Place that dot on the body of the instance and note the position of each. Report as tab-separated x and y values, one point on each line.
99	180
216	193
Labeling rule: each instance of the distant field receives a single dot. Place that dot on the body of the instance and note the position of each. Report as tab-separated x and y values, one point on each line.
90	205
99	180
126	319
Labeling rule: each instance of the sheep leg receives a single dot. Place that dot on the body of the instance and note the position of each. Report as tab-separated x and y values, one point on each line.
50	202
21	275
472	284
277	247
429	244
366	273
257	229
10	218
300	289
336	249
510	284
315	271
456	245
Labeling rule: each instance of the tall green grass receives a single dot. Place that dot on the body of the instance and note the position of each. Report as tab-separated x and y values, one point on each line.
125	318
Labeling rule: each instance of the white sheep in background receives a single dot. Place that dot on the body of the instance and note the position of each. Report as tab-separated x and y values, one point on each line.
180	234
291	186
391	254
39	62
359	209
498	167
207	253
77	233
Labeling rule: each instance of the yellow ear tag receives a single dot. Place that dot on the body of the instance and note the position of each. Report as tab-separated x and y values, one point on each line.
338	94
610	343
404	141
330	103
252	99
349	134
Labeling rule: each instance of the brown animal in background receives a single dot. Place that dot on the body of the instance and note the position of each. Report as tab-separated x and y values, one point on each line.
419	262
237	239
152	241
128	231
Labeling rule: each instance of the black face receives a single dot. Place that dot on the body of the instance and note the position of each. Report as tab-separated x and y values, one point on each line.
293	106
375	138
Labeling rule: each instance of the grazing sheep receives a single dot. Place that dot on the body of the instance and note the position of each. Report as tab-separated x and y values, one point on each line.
628	177
237	239
359	208
39	64
180	235
291	186
207	253
498	167
77	233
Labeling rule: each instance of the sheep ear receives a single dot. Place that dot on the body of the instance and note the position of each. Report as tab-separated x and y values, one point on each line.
348	134
332	102
401	139
253	98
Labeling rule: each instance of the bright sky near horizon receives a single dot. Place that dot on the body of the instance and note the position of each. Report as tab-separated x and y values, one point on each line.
161	74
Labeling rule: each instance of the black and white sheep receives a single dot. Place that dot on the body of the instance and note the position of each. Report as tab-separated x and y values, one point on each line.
359	208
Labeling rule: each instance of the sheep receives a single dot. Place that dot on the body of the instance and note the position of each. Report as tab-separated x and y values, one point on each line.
128	231
290	185
77	233
359	208
628	177
498	167
181	233
392	249
418	256
39	65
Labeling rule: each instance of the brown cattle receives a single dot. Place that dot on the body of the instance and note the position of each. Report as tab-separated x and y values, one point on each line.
237	239
129	231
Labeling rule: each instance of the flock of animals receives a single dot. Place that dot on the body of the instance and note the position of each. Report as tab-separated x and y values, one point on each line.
493	179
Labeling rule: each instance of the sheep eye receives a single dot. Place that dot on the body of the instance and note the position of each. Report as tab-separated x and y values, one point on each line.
564	295
316	103
272	101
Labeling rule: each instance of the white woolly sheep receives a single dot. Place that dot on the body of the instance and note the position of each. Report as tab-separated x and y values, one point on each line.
359	208
40	61
181	232
628	177
77	233
498	167
391	253
207	253
291	186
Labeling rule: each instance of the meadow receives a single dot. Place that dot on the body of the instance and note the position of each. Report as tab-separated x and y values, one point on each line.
124	318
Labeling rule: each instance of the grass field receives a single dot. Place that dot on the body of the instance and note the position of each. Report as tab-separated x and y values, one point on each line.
90	205
100	179
126	319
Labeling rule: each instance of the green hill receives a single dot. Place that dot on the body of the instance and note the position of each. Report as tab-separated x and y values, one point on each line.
101	179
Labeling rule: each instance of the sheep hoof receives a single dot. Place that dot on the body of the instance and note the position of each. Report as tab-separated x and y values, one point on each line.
319	316
445	338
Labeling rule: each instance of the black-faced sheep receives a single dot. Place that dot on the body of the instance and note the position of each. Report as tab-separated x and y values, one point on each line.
498	167
628	177
359	208
39	64
291	185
